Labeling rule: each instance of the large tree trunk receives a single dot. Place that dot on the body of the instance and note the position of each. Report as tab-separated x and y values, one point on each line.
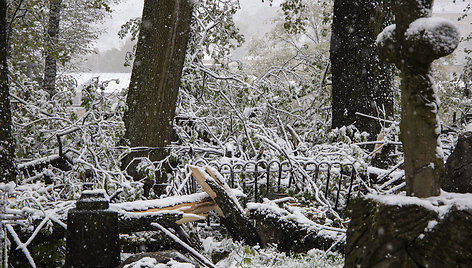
50	65
7	143
155	78
360	81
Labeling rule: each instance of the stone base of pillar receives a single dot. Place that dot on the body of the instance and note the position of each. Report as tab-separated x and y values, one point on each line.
400	231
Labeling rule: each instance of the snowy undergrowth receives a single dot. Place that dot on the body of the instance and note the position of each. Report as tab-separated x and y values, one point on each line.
245	256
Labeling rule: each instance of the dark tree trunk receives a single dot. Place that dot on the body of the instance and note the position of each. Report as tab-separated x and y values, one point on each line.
155	78
7	143
360	81
50	65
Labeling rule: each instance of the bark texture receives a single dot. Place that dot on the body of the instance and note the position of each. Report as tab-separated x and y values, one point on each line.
155	78
50	65
277	227
231	214
361	82
423	164
7	144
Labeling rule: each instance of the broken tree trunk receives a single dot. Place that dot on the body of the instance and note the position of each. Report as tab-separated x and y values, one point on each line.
292	232
170	212
137	222
230	211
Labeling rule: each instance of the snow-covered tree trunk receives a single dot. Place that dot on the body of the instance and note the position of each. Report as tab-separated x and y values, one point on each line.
361	82
50	66
413	44
7	144
155	78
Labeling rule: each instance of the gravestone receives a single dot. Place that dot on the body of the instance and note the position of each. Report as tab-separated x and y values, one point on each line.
458	171
92	233
406	231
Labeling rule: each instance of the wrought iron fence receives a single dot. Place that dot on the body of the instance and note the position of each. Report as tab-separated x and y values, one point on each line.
271	179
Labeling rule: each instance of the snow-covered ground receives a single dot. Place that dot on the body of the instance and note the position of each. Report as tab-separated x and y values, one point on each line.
117	81
113	83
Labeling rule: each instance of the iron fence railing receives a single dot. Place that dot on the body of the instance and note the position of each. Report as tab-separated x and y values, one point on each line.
264	178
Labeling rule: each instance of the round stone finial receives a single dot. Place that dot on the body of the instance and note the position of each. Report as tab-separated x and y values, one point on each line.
428	39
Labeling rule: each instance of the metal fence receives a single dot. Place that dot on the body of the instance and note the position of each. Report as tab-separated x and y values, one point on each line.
274	178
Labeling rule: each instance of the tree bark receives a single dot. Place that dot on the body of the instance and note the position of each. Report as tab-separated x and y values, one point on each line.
361	82
136	222
50	64
155	78
287	233
231	214
7	143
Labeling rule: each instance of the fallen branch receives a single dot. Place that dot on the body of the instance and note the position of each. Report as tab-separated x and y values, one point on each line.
292	231
137	222
230	211
189	249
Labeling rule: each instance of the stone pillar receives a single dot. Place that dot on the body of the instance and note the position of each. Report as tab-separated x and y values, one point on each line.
383	233
92	233
413	43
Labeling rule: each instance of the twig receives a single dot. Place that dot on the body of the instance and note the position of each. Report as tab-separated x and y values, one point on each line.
192	251
379	119
21	245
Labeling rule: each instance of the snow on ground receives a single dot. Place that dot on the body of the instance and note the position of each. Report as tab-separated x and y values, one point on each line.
152	263
113	83
441	204
118	81
244	256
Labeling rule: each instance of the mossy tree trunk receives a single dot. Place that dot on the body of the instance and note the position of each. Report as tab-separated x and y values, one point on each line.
7	143
361	82
155	78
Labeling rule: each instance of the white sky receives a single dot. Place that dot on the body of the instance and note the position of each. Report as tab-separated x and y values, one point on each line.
257	11
252	19
122	12
447	6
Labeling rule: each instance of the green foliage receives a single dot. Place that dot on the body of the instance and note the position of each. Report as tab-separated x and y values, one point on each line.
28	25
295	21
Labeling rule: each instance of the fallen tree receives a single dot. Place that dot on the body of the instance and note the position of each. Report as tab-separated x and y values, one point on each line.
291	230
288	228
230	211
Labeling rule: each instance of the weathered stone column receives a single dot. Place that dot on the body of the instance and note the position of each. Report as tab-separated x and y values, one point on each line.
92	233
413	43
384	232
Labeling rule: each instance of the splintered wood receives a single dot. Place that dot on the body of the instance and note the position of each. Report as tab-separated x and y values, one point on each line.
231	213
202	181
201	207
